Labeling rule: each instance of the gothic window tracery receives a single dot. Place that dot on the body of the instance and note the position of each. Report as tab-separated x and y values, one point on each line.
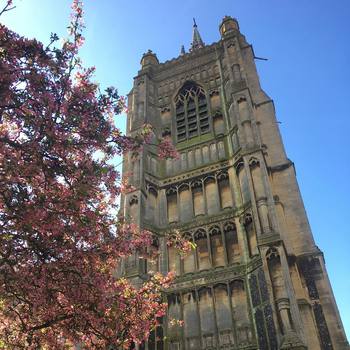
191	112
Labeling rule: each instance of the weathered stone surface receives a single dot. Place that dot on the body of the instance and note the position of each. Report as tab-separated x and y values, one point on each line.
256	278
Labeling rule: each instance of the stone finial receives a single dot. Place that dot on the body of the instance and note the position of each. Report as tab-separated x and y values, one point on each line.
228	25
148	59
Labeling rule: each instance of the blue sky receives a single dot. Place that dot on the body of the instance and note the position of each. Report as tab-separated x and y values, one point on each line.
307	75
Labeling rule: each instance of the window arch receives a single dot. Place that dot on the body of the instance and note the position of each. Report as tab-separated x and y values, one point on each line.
201	241
191	112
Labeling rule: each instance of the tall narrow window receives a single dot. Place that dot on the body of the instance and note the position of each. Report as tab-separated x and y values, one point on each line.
191	112
232	245
224	191
217	247
173	215
202	249
174	313
223	315
191	318
189	260
251	235
240	311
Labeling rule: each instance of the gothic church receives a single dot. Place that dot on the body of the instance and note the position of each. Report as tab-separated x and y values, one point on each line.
256	279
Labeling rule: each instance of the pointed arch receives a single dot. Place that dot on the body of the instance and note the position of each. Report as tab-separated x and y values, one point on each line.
217	246
191	111
232	244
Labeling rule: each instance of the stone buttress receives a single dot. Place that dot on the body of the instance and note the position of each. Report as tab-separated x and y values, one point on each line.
256	279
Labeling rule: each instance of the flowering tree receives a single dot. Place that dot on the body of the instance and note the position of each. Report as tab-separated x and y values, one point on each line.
59	237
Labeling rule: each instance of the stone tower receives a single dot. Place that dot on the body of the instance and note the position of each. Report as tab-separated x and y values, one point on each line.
256	279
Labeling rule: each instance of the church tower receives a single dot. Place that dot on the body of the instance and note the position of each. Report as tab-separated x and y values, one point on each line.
256	279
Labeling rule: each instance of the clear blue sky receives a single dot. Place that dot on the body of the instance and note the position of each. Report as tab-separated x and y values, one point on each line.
307	75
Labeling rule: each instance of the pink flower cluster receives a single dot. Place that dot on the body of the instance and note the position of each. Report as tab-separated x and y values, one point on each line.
60	240
181	243
166	149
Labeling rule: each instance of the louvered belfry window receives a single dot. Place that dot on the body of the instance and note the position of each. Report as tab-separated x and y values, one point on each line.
191	112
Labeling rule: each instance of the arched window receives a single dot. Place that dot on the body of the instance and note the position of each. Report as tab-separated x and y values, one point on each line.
191	112
174	313
189	260
217	247
232	245
151	210
202	249
224	190
251	235
223	315
172	210
185	203
191	319
207	319
240	310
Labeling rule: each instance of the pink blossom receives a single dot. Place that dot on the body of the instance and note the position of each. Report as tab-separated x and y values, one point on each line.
166	149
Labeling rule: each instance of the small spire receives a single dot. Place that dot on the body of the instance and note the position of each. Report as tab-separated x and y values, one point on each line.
182	52
197	41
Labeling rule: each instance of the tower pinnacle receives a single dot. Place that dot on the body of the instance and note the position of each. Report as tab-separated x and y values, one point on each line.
182	51
197	41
